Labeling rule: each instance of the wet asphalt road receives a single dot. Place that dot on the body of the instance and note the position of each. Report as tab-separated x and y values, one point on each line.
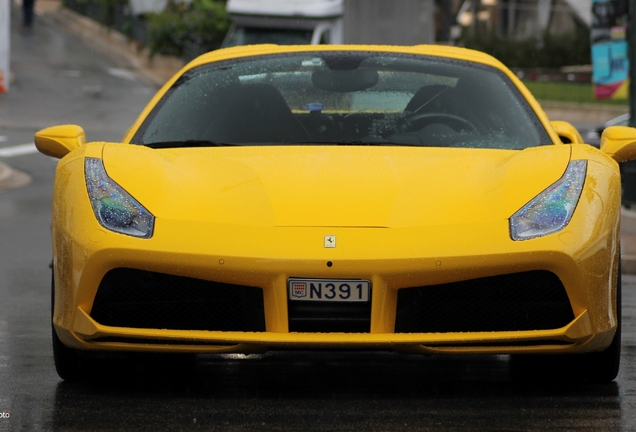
59	80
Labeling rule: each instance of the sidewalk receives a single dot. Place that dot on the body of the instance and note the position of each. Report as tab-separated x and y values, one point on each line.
109	42
104	42
5	176
10	178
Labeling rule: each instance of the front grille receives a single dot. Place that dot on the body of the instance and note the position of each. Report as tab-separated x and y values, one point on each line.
534	300
142	299
329	317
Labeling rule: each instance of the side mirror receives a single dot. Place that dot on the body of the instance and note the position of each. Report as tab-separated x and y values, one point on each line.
58	141
567	132
619	143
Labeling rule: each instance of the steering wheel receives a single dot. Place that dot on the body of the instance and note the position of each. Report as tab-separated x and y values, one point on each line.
418	121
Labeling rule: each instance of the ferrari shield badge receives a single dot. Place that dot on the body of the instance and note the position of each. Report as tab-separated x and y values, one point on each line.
330	241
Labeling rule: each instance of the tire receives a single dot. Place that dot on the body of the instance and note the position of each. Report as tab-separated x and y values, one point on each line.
594	367
603	366
75	365
68	364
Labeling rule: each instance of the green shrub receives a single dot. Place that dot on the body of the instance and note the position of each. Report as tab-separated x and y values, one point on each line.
551	51
202	22
102	11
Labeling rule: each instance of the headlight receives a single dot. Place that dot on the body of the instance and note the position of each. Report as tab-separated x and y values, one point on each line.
552	209
114	208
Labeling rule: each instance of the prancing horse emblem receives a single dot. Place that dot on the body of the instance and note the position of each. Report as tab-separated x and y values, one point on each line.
330	241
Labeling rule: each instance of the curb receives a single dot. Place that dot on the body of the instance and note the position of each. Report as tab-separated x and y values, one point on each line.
157	70
11	178
628	264
582	113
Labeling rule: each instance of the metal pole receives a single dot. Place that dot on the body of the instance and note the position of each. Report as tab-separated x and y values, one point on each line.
5	44
475	6
632	62
511	18
628	169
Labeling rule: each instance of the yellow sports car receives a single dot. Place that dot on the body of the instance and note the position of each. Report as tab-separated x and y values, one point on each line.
415	199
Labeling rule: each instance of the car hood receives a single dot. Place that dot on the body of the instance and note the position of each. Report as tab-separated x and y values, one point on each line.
334	186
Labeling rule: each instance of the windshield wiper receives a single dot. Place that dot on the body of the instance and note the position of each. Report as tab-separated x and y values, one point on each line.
188	143
366	143
338	143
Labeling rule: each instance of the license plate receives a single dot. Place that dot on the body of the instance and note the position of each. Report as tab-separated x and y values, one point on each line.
334	290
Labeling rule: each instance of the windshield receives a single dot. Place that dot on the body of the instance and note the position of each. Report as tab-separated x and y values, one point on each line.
344	98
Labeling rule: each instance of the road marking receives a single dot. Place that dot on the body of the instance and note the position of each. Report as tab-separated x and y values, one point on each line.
122	73
18	150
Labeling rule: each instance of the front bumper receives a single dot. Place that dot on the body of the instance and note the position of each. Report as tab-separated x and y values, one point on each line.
391	259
